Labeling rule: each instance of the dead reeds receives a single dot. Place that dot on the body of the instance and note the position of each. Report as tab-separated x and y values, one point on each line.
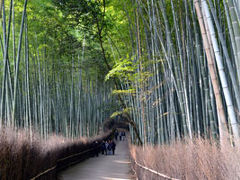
22	158
197	159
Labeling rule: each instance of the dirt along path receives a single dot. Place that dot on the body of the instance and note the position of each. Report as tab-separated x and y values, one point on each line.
110	167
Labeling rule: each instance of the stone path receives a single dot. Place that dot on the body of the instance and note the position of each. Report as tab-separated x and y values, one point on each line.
109	167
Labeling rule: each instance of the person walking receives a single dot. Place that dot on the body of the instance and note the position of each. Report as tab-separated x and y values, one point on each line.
113	147
109	147
106	147
120	136
116	135
96	148
103	147
123	135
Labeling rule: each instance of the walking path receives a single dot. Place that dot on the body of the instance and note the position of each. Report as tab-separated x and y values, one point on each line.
103	167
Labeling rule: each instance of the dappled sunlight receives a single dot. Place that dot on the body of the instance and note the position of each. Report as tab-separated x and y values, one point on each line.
113	178
121	161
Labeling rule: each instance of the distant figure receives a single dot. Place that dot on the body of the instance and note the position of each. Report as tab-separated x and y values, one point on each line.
103	147
116	135
120	136
109	147
106	148
123	135
112	146
96	151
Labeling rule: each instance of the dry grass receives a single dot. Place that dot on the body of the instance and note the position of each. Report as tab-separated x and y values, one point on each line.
22	159
188	160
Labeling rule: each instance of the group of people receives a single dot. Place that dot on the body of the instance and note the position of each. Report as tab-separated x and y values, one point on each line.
108	147
120	134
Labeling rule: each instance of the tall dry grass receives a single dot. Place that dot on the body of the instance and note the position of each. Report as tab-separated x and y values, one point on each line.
195	160
22	157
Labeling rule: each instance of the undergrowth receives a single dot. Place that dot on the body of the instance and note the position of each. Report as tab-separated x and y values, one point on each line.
22	157
192	160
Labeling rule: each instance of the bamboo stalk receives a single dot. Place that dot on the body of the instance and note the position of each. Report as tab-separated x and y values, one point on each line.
216	88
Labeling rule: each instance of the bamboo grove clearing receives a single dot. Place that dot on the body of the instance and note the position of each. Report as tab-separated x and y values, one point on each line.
169	68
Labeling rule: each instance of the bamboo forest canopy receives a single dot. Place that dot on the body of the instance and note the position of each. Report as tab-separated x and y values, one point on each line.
171	67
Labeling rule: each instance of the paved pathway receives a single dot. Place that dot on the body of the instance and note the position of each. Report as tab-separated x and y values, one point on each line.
103	167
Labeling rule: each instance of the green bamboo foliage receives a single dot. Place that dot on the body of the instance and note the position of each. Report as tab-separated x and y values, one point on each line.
184	94
37	97
183	78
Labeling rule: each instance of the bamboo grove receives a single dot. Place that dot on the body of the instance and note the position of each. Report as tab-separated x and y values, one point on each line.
171	66
185	61
39	91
